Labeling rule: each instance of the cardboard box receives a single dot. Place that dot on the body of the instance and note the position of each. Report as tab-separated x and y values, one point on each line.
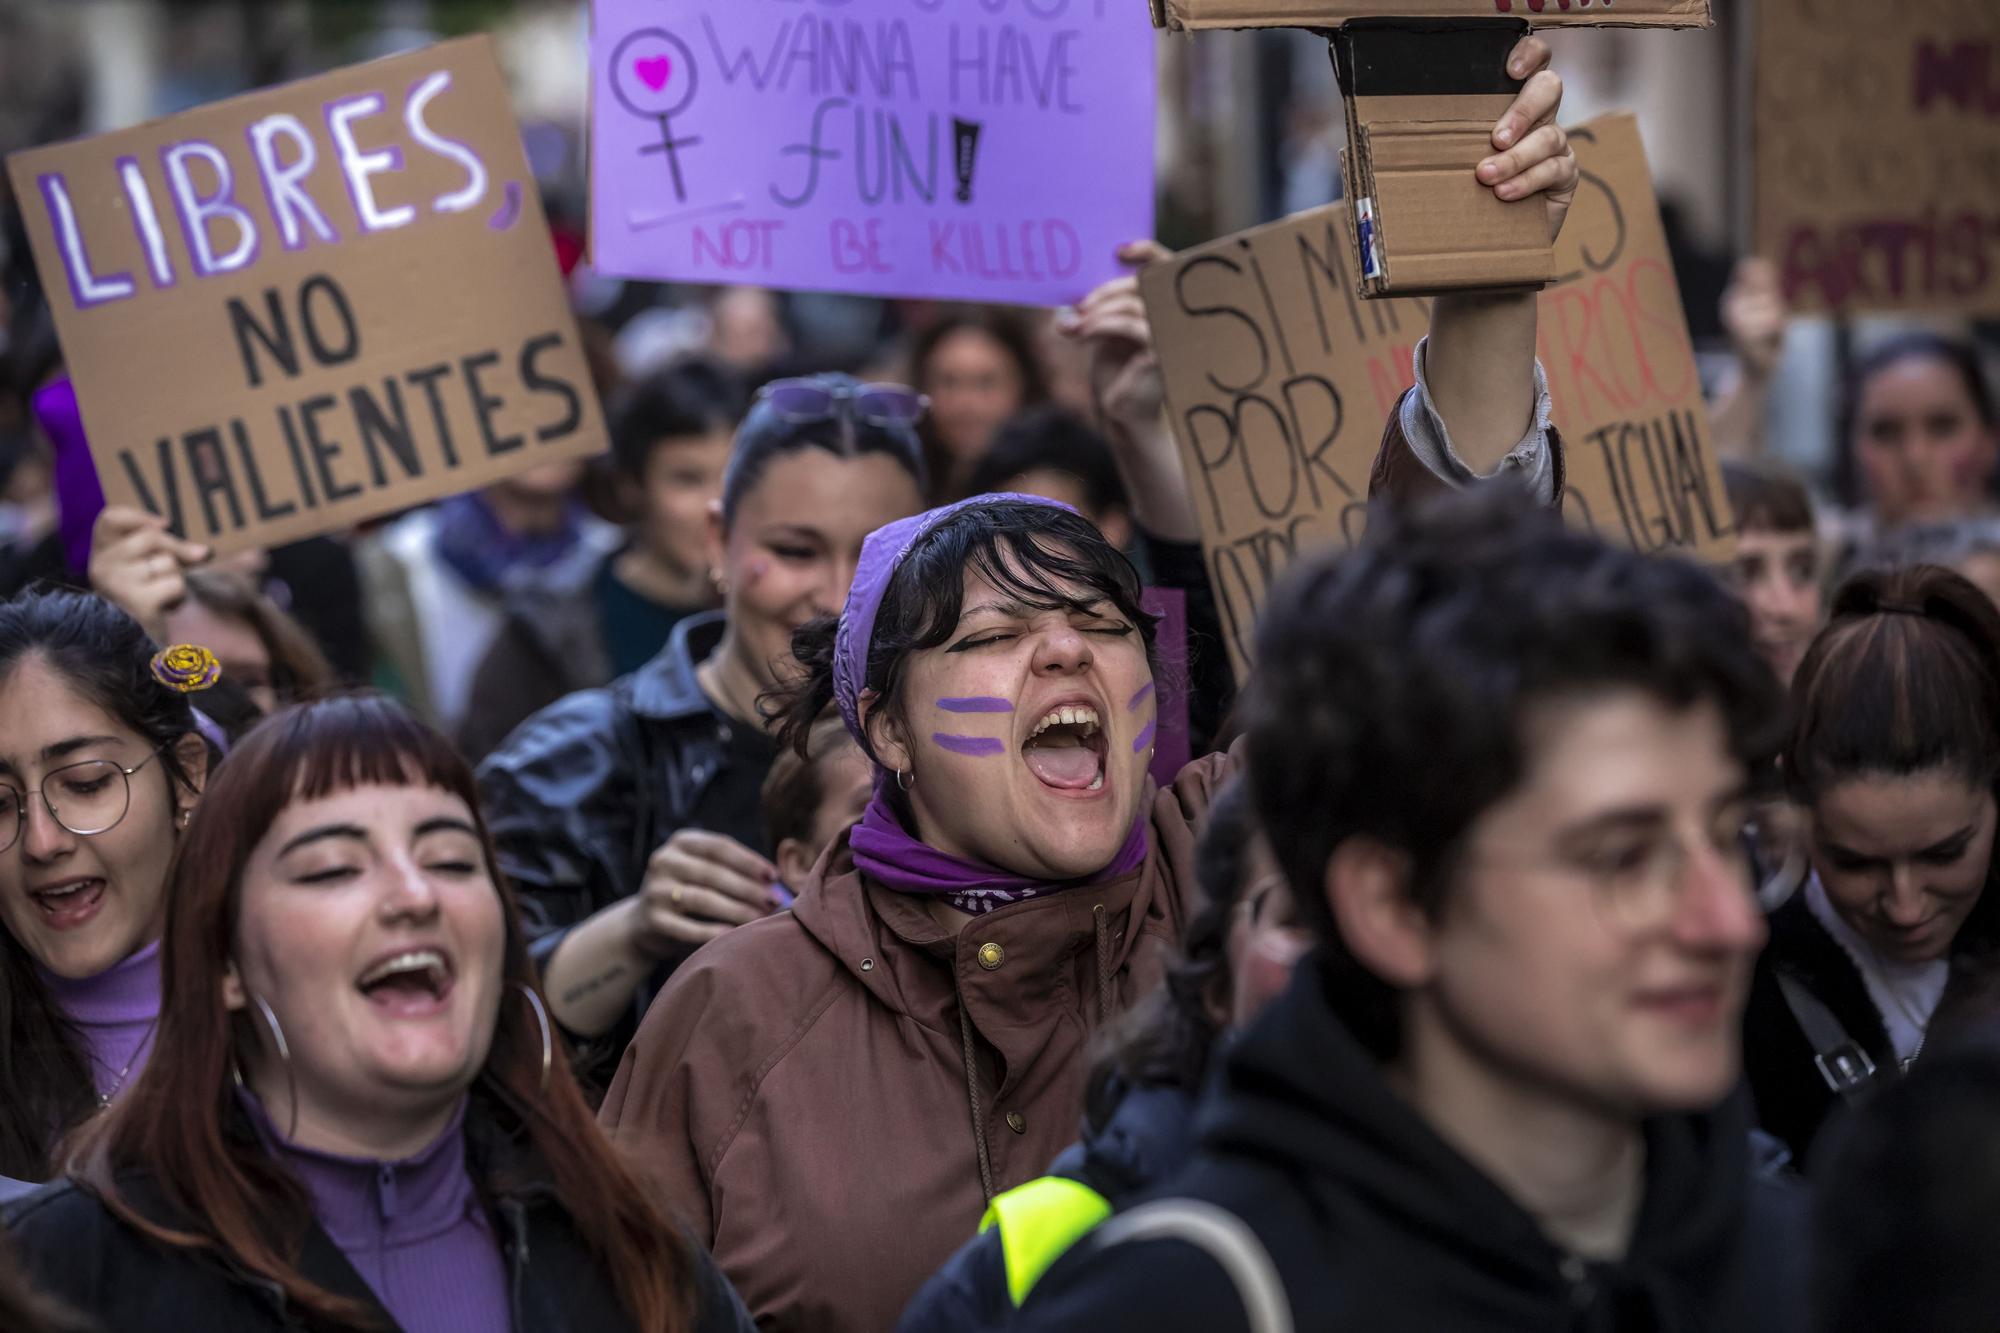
1878	154
1191	15
297	309
1279	379
1421	99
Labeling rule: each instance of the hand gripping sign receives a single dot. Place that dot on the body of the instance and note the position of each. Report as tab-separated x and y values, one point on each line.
297	309
1422	83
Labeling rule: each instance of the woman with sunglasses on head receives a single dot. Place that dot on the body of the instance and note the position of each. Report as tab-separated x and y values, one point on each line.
630	816
101	764
359	1117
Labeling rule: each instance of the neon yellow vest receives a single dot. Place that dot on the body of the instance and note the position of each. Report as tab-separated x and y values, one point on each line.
1038	1223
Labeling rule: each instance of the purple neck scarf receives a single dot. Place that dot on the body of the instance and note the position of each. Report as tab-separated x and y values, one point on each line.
890	855
883	849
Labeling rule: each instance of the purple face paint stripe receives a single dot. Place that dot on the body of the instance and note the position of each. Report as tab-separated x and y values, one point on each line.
1145	693
1145	738
974	745
978	704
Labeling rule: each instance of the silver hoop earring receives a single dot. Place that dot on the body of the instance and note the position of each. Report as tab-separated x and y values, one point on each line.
548	1035
906	778
284	1057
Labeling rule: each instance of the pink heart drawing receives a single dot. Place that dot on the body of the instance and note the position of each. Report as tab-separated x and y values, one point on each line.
654	70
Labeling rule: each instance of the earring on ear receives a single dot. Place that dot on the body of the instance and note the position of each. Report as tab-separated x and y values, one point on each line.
906	778
548	1037
186	815
284	1058
715	577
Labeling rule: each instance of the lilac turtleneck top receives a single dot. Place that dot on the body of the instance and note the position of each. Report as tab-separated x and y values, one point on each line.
117	1012
414	1229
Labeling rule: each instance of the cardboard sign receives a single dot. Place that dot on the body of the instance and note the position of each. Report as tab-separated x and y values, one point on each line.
297	309
1280	378
998	151
1178	14
1878	153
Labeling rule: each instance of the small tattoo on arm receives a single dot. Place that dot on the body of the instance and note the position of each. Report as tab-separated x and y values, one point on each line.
594	984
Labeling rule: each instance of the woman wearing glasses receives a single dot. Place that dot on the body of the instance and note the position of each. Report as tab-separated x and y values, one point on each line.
100	769
358	1117
630	816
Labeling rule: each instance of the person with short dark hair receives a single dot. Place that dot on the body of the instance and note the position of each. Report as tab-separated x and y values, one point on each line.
1505	767
1894	755
1051	452
1777	569
630	815
1907	1218
577	626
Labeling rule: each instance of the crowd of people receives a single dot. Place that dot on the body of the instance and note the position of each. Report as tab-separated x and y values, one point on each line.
728	888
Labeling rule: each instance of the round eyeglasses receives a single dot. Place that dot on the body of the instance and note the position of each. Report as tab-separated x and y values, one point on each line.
87	798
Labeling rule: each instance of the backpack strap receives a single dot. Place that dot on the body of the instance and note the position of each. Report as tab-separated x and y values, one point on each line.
1225	1238
1842	1061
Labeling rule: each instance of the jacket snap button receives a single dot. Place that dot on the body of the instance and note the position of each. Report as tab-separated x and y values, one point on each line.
1017	1122
991	956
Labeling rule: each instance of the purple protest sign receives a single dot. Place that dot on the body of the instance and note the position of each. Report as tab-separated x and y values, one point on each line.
990	151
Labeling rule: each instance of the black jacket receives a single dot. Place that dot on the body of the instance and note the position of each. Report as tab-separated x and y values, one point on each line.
585	791
1373	1222
81	1252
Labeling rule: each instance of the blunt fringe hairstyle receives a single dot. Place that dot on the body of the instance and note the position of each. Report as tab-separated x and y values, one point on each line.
178	1122
1045	557
102	654
766	436
1395	685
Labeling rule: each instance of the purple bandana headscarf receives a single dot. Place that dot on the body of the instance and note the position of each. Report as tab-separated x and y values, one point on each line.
883	849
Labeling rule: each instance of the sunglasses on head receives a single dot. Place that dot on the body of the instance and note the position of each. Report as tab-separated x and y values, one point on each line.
805	401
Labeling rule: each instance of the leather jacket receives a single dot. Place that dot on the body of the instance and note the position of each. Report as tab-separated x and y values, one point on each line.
583	792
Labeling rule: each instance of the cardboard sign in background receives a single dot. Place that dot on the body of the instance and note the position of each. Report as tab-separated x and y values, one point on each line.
1878	153
978	151
1332	13
1280	379
300	308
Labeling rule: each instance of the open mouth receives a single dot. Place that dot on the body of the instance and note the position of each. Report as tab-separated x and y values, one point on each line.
71	903
1066	749
415	980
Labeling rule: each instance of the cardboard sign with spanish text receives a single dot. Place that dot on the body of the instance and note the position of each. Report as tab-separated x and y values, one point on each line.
1878	153
982	150
1280	378
1192	14
294	310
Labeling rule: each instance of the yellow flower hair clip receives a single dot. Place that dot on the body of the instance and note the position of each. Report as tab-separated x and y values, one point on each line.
186	667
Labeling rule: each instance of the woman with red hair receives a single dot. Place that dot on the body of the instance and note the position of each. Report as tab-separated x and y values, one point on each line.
357	1115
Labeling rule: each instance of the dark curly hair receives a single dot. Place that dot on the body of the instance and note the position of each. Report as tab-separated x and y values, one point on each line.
1393	684
1029	551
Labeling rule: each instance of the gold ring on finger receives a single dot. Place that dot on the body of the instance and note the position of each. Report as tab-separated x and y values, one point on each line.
674	896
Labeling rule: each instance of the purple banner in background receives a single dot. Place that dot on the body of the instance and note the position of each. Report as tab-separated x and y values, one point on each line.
1170	742
988	150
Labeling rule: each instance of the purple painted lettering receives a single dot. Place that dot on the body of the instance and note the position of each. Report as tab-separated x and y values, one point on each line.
359	166
291	207
474	189
198	212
